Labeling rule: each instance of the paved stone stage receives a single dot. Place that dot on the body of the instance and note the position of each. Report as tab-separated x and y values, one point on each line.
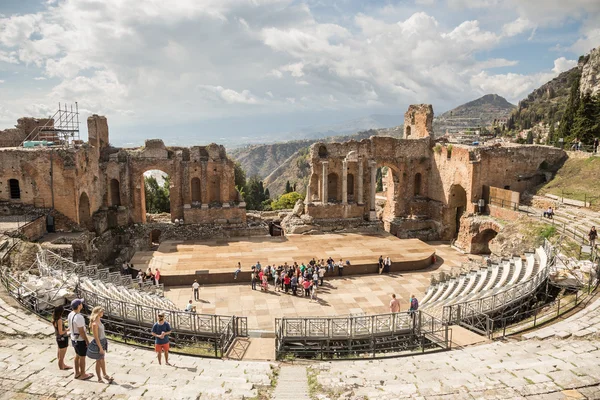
364	294
214	261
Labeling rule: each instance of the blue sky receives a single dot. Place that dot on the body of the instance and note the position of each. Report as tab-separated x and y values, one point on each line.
192	71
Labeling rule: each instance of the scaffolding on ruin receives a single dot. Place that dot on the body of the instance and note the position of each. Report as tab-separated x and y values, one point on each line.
62	129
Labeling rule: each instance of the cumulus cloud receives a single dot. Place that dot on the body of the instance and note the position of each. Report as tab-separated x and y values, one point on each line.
151	61
516	86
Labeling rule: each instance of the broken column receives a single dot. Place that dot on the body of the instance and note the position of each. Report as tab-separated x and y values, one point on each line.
325	174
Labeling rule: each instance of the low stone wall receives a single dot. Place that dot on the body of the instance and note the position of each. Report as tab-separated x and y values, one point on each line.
244	276
333	210
34	229
503	213
409	228
216	215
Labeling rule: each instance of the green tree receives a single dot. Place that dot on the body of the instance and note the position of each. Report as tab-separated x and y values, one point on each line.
379	180
286	201
239	175
157	197
255	194
529	139
267	194
288	187
566	123
585	124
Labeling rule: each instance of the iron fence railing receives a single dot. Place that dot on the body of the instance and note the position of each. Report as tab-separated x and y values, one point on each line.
361	336
455	313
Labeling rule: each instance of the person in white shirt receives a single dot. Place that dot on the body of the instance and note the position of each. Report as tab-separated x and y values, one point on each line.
195	287
79	339
189	307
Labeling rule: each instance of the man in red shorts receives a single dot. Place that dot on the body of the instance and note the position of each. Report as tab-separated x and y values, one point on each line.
161	331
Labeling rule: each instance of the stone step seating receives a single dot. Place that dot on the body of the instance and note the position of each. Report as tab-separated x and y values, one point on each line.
28	370
124	294
584	323
552	369
480	283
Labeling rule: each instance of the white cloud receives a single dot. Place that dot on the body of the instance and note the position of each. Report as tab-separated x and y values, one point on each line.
231	96
562	64
187	60
39	78
515	86
1	81
517	26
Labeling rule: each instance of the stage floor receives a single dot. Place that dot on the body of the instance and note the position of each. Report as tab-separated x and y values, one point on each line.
365	294
222	255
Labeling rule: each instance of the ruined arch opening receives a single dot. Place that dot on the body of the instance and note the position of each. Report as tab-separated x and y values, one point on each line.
14	189
322	151
115	192
85	216
458	203
332	187
388	184
408	132
214	186
480	244
155	238
350	180
156	196
417	185
196	191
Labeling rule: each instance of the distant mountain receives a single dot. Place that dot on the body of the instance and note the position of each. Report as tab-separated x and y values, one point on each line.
278	163
374	121
474	114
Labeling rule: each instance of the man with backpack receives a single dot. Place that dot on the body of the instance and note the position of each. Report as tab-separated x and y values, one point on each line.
414	306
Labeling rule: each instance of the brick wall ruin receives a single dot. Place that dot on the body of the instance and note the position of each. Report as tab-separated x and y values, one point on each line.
98	186
429	186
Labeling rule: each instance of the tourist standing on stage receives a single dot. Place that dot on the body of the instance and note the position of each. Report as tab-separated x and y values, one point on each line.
161	331
394	304
157	277
195	287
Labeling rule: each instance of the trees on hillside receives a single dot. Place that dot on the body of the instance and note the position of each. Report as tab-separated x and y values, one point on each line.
157	197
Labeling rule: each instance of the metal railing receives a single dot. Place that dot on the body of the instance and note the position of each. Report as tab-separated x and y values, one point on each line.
503	203
361	336
51	264
471	309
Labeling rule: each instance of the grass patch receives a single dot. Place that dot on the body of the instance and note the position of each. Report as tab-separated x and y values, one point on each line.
577	179
314	387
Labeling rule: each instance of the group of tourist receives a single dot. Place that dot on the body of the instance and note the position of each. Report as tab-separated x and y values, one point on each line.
289	278
149	276
95	344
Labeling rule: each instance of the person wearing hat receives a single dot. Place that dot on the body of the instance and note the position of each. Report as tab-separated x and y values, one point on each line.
161	331
79	339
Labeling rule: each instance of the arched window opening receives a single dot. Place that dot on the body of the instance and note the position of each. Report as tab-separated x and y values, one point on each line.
14	188
322	151
332	187
407	131
418	184
196	197
115	193
350	185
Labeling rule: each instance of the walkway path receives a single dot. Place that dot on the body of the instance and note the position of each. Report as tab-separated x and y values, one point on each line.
292	384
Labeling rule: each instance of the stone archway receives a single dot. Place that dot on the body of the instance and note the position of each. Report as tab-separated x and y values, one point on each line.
115	192
457	202
155	193
155	238
480	244
332	187
85	216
